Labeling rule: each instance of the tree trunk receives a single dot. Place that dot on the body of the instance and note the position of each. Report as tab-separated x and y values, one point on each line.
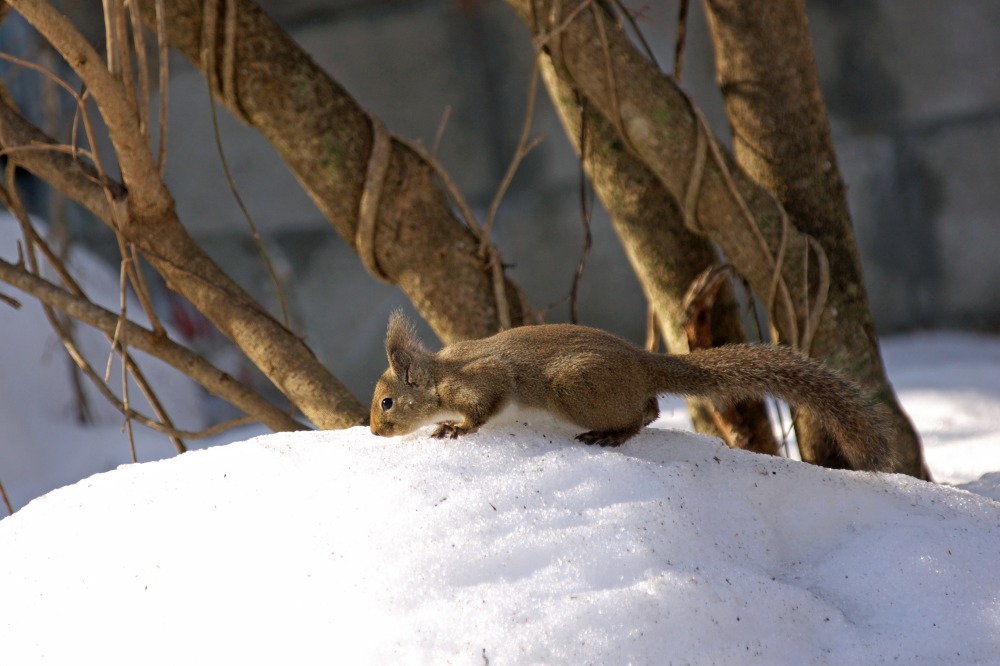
781	138
327	139
666	256
660	125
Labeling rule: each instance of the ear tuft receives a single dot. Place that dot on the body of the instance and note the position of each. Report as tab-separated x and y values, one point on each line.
402	346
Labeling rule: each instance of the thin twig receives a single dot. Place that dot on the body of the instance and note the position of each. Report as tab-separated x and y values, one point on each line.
523	148
142	65
12	302
682	14
543	38
141	288
162	427
163	64
34	241
81	112
216	87
121	337
630	19
585	212
44	72
6	501
125	57
194	366
450	187
445	115
165	428
813	316
111	37
493	262
71	150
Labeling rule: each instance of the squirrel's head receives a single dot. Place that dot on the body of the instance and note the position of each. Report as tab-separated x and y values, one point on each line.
405	396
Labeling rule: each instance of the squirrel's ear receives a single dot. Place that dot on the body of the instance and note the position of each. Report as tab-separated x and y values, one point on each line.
405	352
400	362
413	369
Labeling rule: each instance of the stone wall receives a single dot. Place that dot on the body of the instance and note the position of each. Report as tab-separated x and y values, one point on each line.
912	89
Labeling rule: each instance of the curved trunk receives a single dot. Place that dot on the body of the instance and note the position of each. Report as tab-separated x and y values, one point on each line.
781	139
327	140
666	256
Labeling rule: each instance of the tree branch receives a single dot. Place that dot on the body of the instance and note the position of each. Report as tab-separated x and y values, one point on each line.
326	139
189	363
781	137
658	123
665	255
146	216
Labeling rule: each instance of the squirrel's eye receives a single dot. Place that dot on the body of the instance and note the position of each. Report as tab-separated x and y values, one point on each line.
386	404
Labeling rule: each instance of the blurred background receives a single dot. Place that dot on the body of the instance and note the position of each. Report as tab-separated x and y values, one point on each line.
913	91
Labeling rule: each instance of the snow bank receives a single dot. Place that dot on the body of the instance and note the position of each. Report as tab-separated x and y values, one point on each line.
508	546
949	384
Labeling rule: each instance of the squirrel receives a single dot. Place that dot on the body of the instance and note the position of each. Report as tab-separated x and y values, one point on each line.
605	385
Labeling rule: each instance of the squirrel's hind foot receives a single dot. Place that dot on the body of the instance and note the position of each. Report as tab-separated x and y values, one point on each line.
606	437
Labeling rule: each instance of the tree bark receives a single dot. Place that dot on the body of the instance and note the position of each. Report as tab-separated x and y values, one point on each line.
326	139
659	125
781	138
666	256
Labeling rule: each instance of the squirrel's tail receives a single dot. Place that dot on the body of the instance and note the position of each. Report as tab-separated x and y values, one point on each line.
735	373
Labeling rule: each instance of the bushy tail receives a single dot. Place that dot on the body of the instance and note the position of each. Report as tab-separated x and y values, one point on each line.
735	373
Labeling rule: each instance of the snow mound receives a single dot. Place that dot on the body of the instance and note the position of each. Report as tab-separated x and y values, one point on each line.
512	545
949	383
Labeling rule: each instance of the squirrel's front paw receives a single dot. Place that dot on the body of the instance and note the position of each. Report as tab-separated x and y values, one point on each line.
449	430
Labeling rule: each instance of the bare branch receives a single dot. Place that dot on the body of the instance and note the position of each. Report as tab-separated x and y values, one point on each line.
34	240
148	218
189	363
163	62
12	302
586	210
148	195
164	427
3	494
658	124
326	138
682	14
524	146
208	55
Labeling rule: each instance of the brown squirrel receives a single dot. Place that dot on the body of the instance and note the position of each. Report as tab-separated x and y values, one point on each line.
604	384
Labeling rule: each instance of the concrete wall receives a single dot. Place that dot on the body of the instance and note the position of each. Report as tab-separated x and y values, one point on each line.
912	87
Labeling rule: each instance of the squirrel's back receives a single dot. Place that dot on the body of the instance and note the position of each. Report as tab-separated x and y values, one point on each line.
604	372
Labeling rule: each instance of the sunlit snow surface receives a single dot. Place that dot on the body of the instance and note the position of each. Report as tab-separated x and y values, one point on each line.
509	546
515	545
949	384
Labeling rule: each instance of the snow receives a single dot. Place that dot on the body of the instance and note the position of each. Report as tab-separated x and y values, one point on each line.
512	545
